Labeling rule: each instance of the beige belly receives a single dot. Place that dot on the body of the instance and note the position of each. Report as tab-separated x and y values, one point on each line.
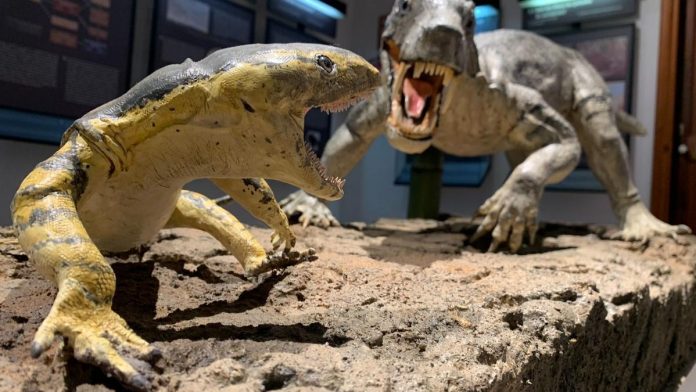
124	213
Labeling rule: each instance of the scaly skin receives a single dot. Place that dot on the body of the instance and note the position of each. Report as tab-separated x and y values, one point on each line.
504	91
235	117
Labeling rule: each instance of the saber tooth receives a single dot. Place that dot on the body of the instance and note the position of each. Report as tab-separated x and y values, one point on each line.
449	75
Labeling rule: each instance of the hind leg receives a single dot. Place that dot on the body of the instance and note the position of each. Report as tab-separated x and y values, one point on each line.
50	231
608	158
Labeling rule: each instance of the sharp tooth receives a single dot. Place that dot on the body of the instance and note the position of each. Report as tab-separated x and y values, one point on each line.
440	70
449	75
418	69
429	68
447	99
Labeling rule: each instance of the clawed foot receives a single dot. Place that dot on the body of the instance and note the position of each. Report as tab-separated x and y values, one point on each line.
640	226
508	215
309	210
281	260
99	337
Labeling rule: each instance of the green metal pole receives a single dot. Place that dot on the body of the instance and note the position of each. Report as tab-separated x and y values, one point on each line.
426	183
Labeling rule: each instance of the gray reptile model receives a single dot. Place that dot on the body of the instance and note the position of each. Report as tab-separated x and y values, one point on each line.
235	117
510	91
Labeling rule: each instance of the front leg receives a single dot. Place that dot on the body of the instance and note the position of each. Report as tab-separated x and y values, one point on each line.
554	152
50	231
256	196
197	211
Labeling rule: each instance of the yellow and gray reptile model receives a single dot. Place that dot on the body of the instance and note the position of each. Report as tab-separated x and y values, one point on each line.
235	117
504	91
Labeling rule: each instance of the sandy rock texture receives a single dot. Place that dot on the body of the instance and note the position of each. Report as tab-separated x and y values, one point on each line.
394	306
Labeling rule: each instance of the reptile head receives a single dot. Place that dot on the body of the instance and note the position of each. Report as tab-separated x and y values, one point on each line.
277	85
426	44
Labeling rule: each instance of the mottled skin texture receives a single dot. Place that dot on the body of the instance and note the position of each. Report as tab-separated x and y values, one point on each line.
504	91
235	117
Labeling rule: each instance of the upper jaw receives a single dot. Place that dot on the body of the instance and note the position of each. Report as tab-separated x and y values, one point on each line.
344	103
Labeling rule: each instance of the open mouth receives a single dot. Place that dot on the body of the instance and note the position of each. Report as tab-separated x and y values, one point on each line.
335	182
333	107
418	90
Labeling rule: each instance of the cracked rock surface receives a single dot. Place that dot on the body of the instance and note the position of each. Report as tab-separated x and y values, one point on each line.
394	306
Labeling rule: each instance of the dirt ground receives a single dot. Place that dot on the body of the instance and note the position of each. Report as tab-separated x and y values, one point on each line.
395	306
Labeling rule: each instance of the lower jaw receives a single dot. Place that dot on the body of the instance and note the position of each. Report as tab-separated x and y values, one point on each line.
406	144
329	193
407	128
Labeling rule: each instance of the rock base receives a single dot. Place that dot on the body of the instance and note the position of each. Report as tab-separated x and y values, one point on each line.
394	306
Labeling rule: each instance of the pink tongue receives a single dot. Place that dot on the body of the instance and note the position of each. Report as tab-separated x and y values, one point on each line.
417	92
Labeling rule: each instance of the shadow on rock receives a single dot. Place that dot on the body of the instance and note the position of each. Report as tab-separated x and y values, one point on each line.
540	246
422	242
415	249
136	300
252	298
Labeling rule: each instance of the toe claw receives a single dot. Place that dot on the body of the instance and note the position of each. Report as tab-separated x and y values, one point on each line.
37	349
480	232
683	229
139	382
154	355
494	246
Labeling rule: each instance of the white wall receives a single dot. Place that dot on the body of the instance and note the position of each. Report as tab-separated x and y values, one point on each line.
370	192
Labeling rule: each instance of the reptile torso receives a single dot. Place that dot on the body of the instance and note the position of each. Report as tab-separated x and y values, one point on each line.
469	124
477	115
153	141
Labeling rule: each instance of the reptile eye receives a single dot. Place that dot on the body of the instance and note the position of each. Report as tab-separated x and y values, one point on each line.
325	63
470	24
404	5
